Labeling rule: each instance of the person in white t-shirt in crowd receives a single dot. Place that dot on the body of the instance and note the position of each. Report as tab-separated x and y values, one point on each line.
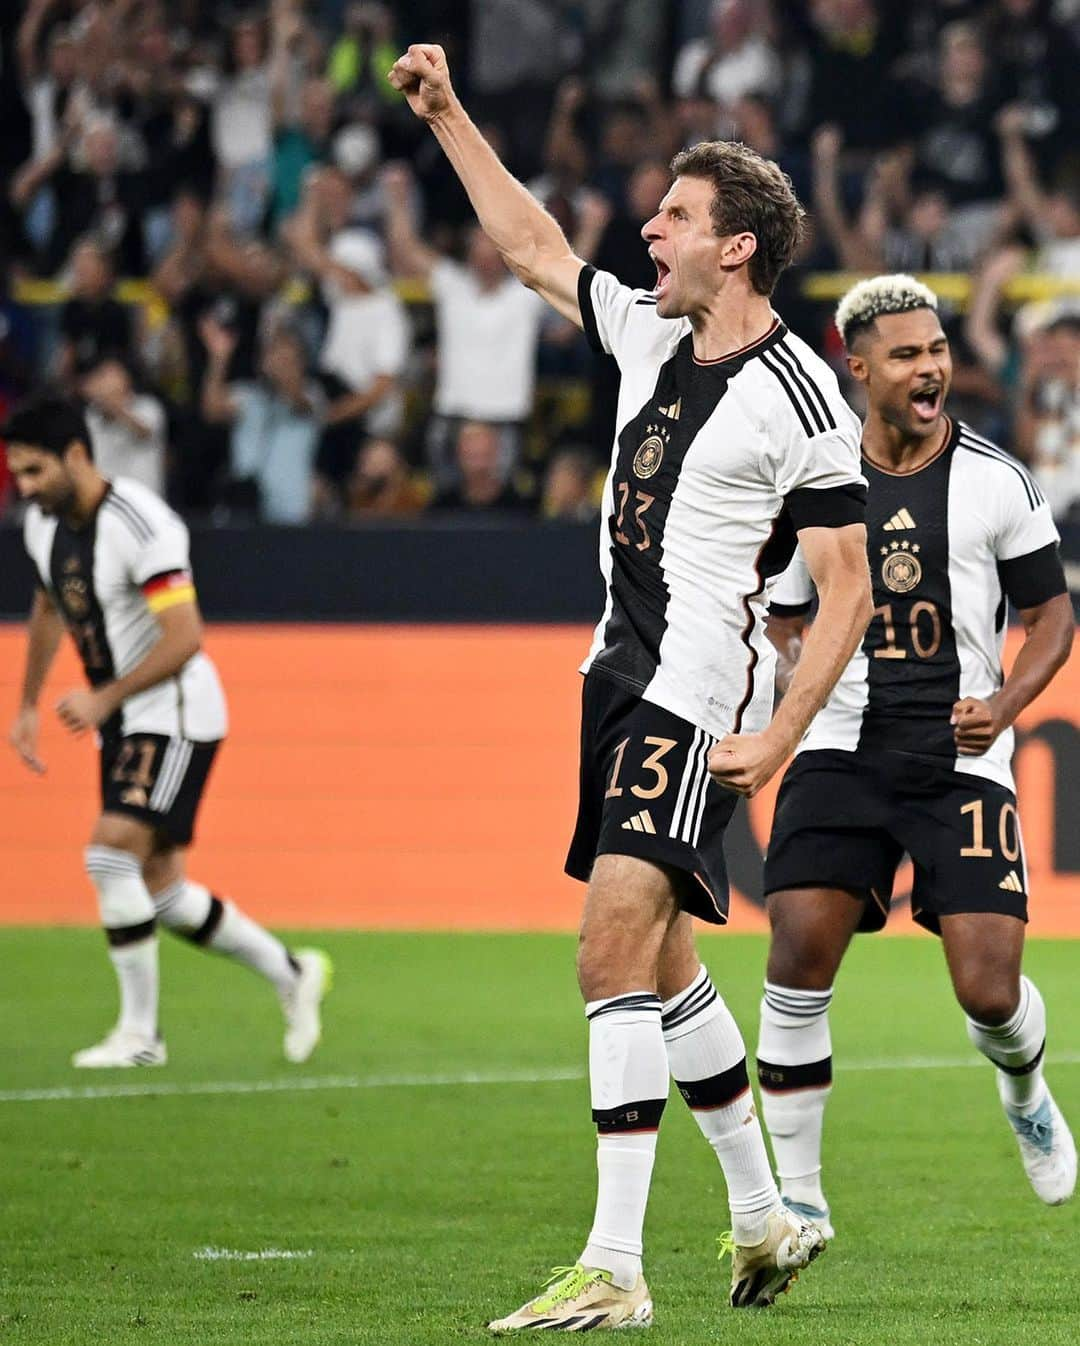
242	126
368	337
488	328
735	59
128	428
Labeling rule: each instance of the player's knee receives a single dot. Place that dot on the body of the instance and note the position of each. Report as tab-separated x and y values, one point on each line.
614	957
123	899
989	1002
802	964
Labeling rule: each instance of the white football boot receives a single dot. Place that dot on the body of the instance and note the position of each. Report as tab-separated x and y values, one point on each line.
579	1300
761	1272
1046	1147
302	1004
818	1216
121	1050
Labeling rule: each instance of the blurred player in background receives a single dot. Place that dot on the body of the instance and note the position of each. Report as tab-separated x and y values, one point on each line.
732	437
912	751
113	567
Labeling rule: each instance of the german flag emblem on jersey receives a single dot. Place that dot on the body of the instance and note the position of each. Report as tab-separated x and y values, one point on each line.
165	591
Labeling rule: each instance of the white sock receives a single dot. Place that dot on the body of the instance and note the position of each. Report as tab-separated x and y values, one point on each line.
136	967
628	1081
191	909
795	1075
127	915
707	1059
1017	1048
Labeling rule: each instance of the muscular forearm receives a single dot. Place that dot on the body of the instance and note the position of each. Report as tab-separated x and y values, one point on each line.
513	219
1043	653
43	639
843	614
164	661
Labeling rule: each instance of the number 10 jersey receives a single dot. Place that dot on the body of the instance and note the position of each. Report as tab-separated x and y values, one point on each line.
948	544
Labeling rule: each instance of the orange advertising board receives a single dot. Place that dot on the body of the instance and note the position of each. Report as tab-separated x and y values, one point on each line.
422	777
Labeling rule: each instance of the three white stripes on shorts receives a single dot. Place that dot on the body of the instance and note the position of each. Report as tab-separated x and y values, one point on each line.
690	802
173	770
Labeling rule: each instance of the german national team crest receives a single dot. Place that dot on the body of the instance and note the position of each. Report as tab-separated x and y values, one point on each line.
650	452
75	597
901	569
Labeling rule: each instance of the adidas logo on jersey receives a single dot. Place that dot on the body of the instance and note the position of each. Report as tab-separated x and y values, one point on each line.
672	412
640	822
900	521
1011	882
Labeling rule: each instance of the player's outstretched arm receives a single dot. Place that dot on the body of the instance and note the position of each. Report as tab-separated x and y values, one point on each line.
181	637
1048	637
44	630
836	559
531	243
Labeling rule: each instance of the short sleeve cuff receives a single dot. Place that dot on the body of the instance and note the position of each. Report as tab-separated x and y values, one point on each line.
829	507
588	312
790	609
1035	578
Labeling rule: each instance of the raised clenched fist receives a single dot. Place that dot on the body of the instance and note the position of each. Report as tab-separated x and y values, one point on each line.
423	77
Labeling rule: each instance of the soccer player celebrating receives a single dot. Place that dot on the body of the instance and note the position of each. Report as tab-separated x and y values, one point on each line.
112	564
912	750
731	439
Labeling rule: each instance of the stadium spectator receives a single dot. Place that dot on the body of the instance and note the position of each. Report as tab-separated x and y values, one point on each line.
955	148
275	423
482	485
242	126
568	492
207	270
367	337
853	48
488	326
361	57
94	326
127	428
1047	434
93	194
382	486
303	112
735	59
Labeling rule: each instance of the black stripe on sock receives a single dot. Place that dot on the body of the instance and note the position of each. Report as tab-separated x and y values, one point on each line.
1033	1064
644	1000
781	1079
644	1116
718	1090
692	1005
208	929
119	935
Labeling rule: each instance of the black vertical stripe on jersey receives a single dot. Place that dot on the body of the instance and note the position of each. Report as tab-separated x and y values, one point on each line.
910	700
773	558
639	591
72	557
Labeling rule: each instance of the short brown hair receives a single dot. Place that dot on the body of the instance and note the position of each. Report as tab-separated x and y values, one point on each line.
752	194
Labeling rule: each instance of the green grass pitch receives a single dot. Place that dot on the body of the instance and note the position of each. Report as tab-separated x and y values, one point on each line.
428	1204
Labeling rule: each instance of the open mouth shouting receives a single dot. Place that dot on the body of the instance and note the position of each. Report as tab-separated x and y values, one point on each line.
663	276
926	401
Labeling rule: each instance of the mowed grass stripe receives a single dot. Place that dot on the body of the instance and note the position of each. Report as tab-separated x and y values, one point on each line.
557	1075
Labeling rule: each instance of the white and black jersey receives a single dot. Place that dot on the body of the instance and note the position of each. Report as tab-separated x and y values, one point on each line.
107	579
715	468
948	544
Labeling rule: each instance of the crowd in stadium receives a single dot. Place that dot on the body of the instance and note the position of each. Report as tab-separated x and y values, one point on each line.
311	326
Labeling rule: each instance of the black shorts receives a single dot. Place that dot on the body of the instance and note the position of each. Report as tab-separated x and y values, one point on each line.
157	779
645	790
845	820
